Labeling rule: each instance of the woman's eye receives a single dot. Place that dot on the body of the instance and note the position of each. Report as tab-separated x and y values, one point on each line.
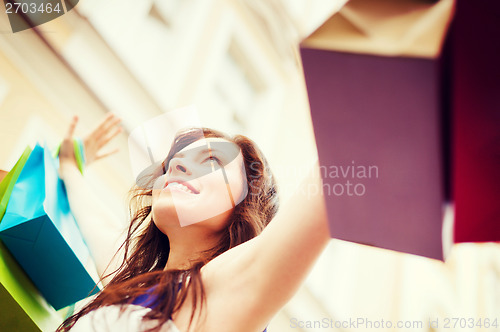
213	158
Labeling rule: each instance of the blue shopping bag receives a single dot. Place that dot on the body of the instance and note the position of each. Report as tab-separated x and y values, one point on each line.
22	307
41	233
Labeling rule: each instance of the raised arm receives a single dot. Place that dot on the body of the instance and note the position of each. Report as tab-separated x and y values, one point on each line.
100	228
258	277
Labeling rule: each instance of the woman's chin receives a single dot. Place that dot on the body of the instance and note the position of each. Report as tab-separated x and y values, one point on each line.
165	216
172	212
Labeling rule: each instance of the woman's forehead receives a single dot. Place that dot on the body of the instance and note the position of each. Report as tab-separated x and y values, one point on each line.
213	144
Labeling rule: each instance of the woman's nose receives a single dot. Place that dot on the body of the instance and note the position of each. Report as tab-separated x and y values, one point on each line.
178	166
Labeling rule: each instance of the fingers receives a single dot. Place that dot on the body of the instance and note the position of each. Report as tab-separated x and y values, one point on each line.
72	126
101	125
106	154
104	140
109	122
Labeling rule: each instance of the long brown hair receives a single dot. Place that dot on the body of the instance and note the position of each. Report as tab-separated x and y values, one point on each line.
147	248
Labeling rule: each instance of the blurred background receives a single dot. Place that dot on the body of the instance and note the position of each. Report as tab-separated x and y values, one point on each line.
238	62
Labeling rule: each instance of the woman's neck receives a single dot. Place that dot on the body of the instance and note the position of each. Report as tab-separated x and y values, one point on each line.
188	246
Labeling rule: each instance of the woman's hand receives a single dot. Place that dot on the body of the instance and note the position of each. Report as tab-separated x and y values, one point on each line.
100	137
93	143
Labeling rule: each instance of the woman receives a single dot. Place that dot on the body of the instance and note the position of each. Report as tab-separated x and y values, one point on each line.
183	268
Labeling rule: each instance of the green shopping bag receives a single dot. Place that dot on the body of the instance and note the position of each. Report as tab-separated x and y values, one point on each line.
22	308
10	179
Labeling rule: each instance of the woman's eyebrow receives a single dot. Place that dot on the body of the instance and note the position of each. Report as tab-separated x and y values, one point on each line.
209	151
178	155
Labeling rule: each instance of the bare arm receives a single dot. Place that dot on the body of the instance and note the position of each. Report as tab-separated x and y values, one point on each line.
271	267
100	228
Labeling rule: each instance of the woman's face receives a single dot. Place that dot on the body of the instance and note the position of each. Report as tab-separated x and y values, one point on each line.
201	186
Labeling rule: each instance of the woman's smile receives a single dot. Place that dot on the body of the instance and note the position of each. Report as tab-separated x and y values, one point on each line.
182	186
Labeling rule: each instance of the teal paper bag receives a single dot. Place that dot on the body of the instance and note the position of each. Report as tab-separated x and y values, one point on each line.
22	307
41	233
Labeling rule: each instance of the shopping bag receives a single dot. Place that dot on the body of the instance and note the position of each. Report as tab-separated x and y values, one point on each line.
475	157
372	73
41	233
9	180
22	307
406	28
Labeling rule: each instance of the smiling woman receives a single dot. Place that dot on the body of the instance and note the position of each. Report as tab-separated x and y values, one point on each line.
198	255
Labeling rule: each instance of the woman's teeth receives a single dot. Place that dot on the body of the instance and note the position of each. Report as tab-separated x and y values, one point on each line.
180	186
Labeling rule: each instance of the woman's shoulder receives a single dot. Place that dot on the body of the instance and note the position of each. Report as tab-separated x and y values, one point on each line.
120	318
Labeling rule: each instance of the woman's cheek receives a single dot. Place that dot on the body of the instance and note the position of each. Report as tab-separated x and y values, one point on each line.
238	180
214	199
